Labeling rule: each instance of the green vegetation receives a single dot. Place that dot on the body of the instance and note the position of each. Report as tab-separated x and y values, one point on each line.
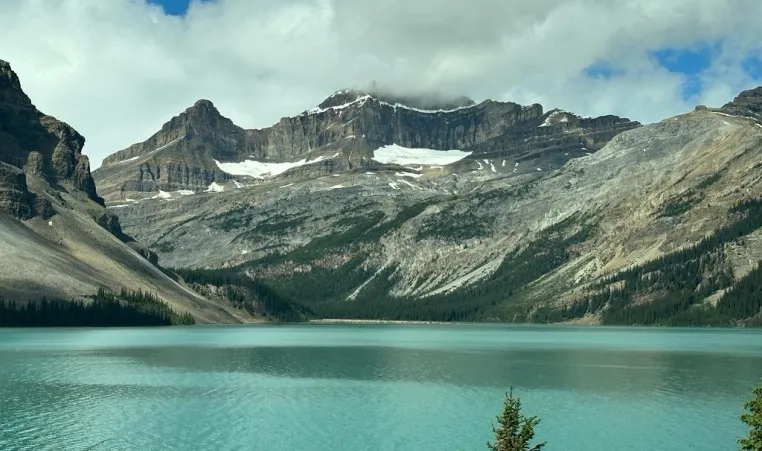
454	226
128	308
165	247
709	181
236	218
515	431
669	291
326	291
244	293
753	419
278	224
354	230
680	204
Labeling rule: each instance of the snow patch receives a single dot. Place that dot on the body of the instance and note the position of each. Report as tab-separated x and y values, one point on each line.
162	195
110	207
237	184
395	154
419	110
260	170
360	99
215	188
492	167
286	186
408	174
480	165
244	252
503	165
540	170
50	223
394	185
548	123
186	192
336	187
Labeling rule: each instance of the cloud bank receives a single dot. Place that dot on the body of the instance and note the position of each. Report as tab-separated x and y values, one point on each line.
118	69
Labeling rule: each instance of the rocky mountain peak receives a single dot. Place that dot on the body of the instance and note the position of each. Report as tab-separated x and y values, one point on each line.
202	118
204	106
8	78
748	103
432	102
39	144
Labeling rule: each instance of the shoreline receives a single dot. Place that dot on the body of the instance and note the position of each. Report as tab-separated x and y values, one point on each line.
377	321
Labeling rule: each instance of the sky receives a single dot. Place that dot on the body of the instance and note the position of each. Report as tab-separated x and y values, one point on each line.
117	70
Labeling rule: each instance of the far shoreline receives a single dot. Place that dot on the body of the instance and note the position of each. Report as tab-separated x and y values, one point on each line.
380	321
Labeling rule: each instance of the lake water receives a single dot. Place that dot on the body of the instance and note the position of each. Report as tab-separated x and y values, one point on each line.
372	387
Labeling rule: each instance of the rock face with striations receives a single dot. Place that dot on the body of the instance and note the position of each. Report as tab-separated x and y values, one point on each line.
39	144
341	134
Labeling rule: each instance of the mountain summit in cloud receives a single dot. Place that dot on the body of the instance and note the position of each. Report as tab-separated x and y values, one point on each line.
261	61
201	150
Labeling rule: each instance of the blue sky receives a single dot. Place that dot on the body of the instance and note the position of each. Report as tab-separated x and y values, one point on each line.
173	7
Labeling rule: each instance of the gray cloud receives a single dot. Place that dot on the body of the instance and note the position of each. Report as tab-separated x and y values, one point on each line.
118	69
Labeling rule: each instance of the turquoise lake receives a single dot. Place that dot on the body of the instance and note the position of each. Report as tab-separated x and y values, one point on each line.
373	387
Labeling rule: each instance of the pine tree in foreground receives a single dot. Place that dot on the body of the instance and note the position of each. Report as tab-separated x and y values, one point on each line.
753	419
515	430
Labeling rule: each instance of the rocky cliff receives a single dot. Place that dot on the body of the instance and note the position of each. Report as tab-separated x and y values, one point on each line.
40	144
196	149
57	240
748	103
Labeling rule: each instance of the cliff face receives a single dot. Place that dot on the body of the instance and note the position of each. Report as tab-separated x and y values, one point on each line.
748	103
342	134
57	239
38	144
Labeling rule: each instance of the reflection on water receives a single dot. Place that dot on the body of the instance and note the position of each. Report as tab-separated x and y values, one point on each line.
372	387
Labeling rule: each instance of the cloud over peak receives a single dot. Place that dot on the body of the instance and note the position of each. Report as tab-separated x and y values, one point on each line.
116	70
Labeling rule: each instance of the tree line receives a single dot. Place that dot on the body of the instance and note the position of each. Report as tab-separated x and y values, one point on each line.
104	309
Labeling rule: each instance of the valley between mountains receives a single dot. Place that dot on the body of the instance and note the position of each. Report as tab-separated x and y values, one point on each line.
375	206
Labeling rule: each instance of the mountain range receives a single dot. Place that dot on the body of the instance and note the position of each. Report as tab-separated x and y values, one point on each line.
377	206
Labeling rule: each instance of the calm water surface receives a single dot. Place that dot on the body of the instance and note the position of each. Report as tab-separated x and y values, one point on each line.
374	387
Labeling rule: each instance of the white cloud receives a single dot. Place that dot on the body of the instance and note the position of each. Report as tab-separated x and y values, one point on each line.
118	69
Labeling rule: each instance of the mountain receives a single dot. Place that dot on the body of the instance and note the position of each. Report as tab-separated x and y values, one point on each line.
351	130
57	239
368	208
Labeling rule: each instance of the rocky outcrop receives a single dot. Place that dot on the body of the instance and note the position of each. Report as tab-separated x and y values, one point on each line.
15	198
40	144
748	103
347	127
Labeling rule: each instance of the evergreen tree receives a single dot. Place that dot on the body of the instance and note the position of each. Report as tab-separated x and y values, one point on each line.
515	430
753	419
